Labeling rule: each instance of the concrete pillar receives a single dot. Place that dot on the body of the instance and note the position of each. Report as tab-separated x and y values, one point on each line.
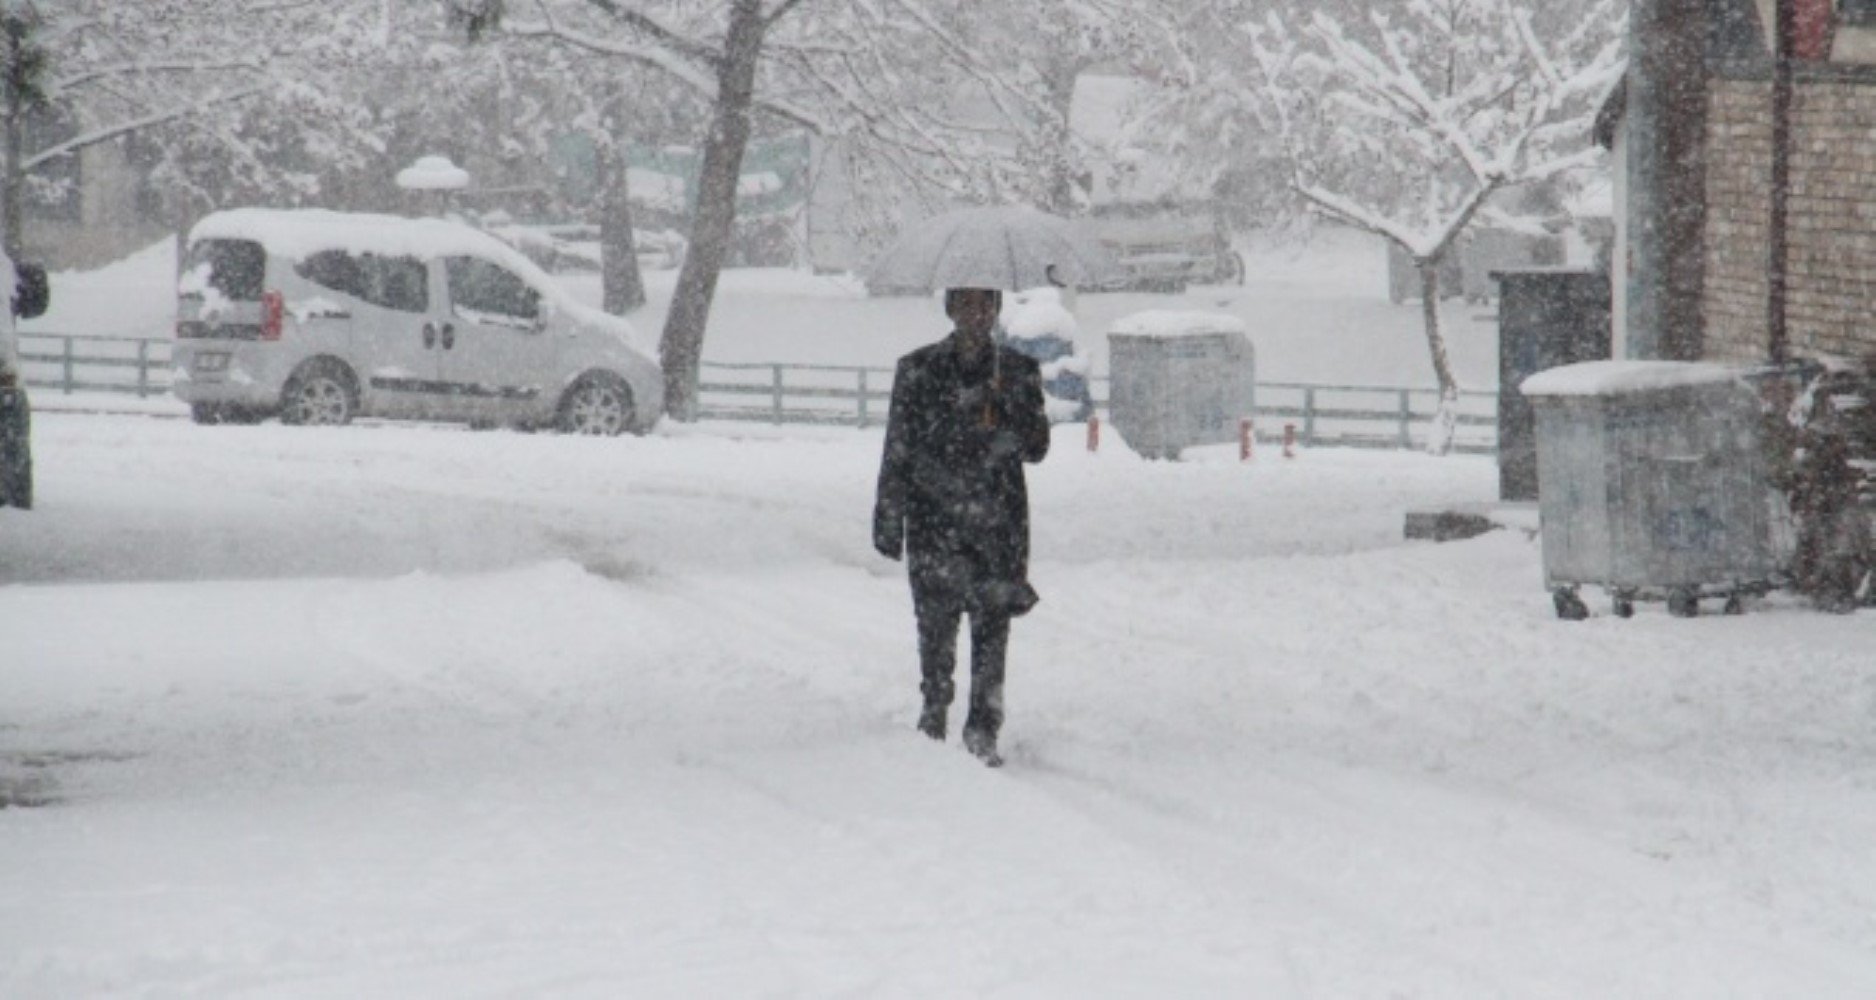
1667	102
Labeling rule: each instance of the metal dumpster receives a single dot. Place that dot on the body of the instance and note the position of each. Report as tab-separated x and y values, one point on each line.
1179	379
1652	483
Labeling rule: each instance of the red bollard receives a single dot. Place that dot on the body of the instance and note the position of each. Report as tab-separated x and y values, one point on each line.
1289	440
1245	439
1094	432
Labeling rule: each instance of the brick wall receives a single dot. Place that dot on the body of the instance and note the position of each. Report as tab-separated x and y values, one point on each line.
1832	282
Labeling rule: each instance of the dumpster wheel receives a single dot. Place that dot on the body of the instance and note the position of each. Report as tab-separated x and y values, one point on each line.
1684	602
1570	606
1624	602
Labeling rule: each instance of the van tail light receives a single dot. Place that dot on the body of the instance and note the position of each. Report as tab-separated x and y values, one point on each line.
273	314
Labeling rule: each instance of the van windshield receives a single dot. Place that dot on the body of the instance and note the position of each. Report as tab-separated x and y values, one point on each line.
236	269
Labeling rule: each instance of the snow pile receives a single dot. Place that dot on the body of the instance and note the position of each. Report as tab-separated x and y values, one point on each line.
133	297
1038	312
433	173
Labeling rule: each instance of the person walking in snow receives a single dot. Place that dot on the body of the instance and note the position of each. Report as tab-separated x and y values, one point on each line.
966	414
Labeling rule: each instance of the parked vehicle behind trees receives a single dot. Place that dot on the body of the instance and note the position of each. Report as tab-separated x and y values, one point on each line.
1163	246
318	317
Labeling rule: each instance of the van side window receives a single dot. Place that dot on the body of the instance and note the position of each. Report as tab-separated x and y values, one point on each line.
334	269
400	283
478	286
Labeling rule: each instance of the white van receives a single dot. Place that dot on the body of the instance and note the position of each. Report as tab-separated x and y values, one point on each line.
321	316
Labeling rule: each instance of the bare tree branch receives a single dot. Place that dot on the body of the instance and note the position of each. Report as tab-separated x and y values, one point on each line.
668	38
94	74
781	10
113	131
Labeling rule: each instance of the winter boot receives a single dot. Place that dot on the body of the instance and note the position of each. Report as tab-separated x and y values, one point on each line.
931	721
982	746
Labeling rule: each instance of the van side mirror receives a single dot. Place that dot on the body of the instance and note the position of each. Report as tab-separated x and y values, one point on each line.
32	292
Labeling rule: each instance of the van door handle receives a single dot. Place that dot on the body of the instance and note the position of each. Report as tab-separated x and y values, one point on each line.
429	335
449	336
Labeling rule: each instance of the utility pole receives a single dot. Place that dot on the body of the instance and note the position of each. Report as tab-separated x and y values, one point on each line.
1778	271
1667	115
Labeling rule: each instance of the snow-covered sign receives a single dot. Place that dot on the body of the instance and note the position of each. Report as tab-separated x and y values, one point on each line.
433	173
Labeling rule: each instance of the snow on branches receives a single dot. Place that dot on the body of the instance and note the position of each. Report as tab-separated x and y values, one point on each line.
1409	124
1437	105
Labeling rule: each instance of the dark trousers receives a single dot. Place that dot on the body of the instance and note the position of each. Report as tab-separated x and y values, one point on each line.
938	618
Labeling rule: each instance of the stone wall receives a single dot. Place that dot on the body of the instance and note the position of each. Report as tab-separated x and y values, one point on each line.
1832	280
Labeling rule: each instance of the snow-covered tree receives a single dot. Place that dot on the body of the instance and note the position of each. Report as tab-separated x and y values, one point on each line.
222	91
1409	124
718	52
1040	51
871	73
524	113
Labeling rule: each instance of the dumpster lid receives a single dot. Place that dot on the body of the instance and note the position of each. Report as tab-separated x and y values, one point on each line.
1175	323
1603	378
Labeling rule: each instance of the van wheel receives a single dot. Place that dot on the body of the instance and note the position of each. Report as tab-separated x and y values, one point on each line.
319	394
597	404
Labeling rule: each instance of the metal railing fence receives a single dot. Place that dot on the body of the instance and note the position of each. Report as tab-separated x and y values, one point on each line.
843	395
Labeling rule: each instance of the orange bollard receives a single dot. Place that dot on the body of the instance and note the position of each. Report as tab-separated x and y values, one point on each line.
1245	439
1289	440
1094	432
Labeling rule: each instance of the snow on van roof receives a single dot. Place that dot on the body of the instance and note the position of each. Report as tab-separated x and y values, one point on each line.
298	233
1176	323
1601	378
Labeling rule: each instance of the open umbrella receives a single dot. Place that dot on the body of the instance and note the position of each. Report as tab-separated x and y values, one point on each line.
1009	248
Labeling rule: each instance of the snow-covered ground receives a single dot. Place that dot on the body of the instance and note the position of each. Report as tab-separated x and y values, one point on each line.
404	711
419	711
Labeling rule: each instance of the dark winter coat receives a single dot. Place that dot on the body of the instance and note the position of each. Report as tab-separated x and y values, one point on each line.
951	489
